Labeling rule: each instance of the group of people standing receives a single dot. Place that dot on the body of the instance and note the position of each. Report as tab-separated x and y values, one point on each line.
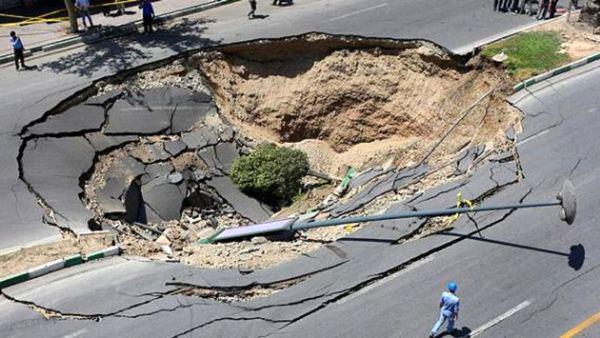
545	8
83	8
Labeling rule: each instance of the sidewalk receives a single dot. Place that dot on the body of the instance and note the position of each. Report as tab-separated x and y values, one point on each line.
36	35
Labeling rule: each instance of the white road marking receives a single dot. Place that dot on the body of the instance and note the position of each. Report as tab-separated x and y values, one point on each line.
76	333
358	12
498	319
386	279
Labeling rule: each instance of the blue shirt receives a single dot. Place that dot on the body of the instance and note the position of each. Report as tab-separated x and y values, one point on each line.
147	9
16	43
449	304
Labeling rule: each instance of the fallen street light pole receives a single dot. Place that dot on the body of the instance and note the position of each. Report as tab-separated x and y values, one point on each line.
565	199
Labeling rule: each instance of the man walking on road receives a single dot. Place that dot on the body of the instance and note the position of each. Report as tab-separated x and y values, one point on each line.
252	9
148	15
449	304
19	50
83	6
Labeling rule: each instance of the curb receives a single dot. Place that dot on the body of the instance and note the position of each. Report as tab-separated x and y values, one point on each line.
542	77
57	265
116	31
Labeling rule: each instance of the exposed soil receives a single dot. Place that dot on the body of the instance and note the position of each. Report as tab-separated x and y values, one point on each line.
579	38
354	107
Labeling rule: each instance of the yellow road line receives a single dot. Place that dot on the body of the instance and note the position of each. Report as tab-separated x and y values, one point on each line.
581	326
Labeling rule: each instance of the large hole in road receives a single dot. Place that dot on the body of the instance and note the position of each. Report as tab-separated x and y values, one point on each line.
345	101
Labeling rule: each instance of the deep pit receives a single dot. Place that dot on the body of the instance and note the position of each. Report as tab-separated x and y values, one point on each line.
158	154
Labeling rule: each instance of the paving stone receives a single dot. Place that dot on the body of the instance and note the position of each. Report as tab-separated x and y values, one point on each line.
247	206
102	142
200	137
175	147
105	98
80	118
157	170
113	188
226	153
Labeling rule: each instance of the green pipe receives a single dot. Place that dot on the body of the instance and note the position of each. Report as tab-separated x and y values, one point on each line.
420	214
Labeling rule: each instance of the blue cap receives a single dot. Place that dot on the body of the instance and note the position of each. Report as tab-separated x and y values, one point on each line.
452	286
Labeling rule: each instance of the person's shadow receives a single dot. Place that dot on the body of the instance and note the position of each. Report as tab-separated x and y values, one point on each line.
259	16
463	332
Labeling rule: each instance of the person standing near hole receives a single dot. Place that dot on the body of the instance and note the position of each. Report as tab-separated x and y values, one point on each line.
449	304
83	6
147	15
18	49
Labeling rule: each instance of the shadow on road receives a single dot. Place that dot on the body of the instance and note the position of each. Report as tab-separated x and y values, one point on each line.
118	54
576	255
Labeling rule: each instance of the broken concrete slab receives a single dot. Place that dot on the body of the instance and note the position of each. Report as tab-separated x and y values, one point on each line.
246	206
163	198
113	188
57	157
175	147
410	175
157	170
126	168
226	133
466	159
226	153
188	114
102	142
150	153
364	177
201	137
74	120
208	155
140	114
384	184
104	99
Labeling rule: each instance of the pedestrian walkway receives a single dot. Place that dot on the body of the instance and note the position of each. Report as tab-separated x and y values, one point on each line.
43	33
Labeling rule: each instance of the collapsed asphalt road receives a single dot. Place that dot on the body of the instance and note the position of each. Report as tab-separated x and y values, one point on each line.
527	259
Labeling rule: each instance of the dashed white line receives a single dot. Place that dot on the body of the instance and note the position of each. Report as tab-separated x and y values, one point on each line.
498	319
386	279
358	12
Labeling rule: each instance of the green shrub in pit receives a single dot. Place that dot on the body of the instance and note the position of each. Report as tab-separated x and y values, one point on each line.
270	173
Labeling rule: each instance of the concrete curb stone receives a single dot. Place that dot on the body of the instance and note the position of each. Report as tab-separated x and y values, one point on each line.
573	65
57	265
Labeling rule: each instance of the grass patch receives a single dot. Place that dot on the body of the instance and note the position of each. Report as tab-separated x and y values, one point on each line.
529	53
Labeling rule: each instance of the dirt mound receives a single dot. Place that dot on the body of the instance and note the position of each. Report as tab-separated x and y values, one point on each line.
345	94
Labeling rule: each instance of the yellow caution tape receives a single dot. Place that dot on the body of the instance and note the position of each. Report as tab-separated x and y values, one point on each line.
461	202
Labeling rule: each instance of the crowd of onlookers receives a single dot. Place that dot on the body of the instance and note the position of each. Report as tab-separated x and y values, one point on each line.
544	9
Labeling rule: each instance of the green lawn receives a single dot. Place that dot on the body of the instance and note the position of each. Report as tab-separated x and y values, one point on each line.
529	53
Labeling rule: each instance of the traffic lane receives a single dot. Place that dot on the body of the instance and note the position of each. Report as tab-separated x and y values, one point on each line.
451	24
485	271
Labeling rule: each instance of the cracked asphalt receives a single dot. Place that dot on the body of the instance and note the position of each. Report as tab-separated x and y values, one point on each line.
375	282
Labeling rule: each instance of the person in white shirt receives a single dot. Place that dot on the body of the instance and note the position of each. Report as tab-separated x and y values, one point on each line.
83	6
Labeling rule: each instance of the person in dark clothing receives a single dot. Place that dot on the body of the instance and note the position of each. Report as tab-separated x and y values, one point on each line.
18	49
147	15
553	4
251	14
542	9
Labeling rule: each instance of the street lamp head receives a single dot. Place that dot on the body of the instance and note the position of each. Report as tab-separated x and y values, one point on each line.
568	203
